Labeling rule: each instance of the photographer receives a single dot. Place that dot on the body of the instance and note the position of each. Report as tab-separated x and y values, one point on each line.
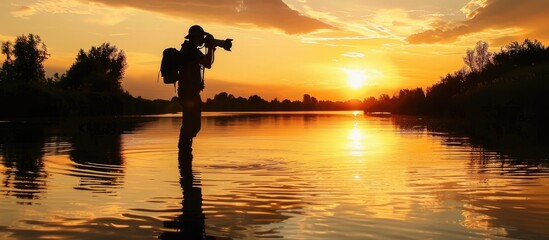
191	81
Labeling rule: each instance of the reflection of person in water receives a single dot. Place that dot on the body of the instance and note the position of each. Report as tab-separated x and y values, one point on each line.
191	223
191	81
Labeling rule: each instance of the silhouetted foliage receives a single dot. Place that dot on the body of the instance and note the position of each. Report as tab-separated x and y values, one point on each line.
527	53
24	60
99	70
439	95
410	101
92	86
510	85
228	102
477	59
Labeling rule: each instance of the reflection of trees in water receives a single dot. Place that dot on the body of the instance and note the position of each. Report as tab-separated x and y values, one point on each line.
231	119
254	118
97	151
505	143
93	145
97	143
98	157
21	146
507	165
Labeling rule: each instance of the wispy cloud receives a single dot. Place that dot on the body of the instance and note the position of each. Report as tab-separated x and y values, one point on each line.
23	11
317	39
353	21
353	54
95	12
49	6
271	14
522	17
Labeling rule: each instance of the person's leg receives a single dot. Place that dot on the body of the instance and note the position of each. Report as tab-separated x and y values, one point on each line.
185	138
195	116
192	113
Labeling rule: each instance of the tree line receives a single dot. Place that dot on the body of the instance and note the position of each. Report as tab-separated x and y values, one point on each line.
511	84
91	86
228	102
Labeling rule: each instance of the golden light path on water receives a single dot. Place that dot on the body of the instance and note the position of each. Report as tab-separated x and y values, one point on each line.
301	175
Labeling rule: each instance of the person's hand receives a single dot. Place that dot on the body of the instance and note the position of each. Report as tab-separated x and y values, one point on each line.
209	41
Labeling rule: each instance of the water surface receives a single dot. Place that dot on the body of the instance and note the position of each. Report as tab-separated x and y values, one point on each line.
316	175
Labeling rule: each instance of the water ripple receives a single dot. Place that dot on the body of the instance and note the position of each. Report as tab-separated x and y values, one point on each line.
289	176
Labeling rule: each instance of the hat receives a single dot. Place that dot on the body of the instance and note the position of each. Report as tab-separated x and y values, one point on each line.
195	30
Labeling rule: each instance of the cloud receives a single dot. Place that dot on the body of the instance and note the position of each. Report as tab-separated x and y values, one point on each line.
471	8
23	11
353	21
527	17
273	14
49	6
353	54
96	13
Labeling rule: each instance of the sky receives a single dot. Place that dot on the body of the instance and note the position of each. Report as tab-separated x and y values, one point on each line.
332	50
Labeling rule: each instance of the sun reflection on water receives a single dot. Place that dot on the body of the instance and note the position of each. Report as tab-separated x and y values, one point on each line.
356	142
356	137
294	176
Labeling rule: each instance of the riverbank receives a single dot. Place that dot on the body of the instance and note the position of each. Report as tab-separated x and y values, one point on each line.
32	100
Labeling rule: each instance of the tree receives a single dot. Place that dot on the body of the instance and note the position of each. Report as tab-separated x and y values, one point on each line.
221	97
477	59
309	102
101	69
410	101
307	99
527	53
24	60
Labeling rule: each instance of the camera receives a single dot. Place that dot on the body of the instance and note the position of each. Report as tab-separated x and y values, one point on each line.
225	44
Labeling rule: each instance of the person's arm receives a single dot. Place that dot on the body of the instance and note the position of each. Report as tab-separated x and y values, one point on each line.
208	59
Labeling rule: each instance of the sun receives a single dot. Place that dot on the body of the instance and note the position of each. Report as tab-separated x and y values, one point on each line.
356	78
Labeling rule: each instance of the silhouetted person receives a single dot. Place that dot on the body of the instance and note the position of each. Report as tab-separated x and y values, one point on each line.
191	81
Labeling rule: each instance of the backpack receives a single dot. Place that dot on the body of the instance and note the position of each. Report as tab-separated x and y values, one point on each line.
170	65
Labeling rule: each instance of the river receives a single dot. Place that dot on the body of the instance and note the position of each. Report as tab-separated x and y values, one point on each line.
280	175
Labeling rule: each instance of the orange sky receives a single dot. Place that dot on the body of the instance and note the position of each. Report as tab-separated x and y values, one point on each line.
333	50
